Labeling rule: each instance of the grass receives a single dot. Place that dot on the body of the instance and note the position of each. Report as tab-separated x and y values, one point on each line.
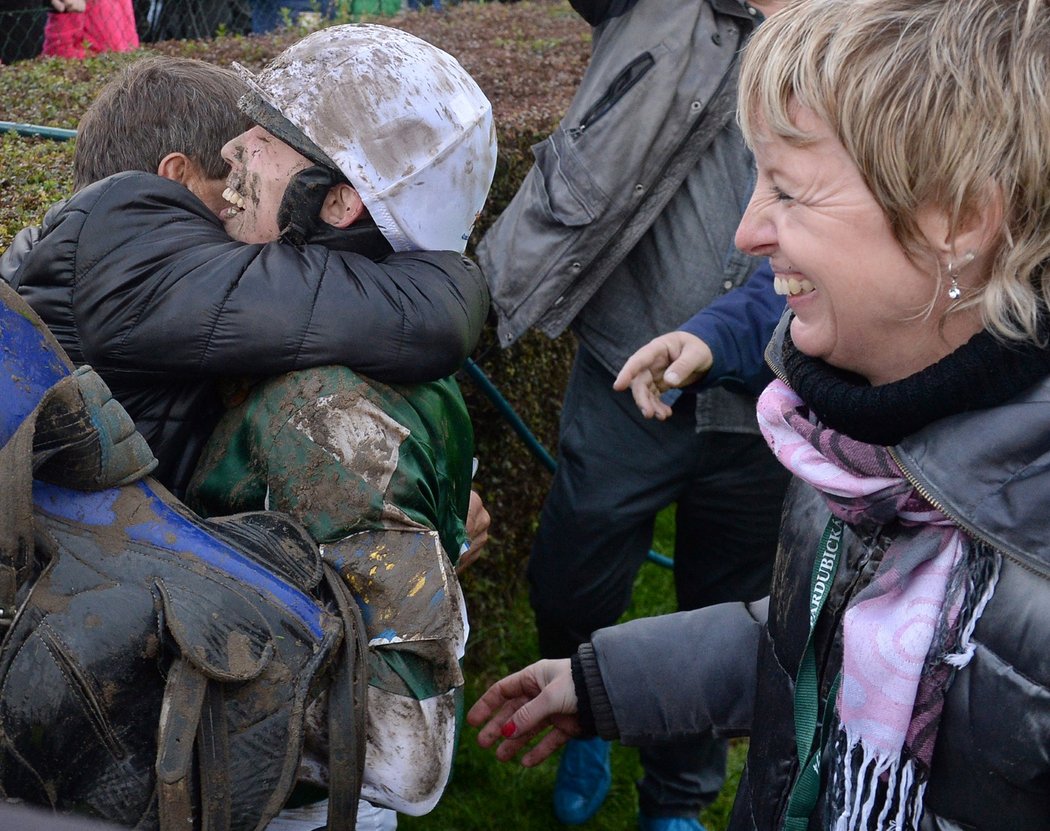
485	793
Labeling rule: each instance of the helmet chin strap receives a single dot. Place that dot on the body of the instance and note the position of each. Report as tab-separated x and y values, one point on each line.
299	215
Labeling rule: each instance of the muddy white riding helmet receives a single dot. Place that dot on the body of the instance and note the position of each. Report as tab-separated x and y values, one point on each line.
399	118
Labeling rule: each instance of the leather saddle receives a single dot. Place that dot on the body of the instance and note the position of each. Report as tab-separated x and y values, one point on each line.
155	668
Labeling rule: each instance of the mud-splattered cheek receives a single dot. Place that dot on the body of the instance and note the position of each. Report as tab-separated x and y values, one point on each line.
251	188
251	224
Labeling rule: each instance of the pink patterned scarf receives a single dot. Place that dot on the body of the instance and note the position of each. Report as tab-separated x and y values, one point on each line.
904	633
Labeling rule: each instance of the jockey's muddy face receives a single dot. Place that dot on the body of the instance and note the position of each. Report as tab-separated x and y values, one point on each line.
261	166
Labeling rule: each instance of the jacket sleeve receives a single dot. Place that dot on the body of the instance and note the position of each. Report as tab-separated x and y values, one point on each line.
22	244
160	287
596	12
16	252
737	327
681	676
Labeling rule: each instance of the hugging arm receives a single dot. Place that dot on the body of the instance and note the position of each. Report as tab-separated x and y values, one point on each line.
157	286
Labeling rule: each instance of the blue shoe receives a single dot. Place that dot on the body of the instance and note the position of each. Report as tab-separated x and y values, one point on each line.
669	823
584	777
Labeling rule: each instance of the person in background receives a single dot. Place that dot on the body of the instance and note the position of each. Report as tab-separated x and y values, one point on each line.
22	25
624	226
268	15
897	675
90	26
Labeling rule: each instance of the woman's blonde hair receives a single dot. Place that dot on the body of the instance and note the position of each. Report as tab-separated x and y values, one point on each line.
939	103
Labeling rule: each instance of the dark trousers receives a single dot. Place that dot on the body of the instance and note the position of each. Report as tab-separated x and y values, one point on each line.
22	29
616	470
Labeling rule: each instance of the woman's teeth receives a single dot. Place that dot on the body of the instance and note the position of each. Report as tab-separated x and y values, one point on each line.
790	286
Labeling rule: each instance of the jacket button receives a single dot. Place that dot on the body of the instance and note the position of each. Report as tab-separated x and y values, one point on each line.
716	39
727	285
639	189
695	106
574	267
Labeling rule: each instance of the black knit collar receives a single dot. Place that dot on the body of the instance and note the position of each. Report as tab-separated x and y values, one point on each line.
982	373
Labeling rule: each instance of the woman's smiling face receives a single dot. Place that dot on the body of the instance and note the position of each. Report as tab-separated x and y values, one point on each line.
859	301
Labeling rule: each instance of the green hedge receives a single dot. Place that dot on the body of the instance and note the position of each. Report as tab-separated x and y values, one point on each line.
528	57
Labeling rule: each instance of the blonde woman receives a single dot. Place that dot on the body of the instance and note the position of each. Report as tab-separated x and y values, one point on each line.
898	676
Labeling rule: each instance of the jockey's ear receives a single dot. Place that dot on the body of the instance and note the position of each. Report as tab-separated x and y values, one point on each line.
343	206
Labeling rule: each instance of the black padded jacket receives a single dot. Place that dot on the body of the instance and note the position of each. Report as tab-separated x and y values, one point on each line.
730	669
137	278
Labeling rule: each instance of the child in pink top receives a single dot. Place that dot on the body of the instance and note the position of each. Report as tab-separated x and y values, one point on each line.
102	26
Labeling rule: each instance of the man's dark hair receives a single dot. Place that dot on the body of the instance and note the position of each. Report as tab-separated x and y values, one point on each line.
156	106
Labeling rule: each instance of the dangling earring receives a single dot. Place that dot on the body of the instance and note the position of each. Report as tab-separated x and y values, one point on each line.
954	292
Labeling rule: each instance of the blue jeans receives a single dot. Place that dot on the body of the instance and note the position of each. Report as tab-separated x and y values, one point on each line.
616	470
268	15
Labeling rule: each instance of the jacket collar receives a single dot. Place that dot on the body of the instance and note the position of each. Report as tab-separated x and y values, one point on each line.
737	9
989	470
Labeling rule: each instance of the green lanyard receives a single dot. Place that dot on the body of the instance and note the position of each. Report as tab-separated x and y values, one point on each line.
808	711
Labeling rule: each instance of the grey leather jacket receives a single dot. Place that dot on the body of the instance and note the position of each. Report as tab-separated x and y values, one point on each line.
733	668
649	104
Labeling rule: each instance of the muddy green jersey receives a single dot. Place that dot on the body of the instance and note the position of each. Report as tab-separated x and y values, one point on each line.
380	477
365	455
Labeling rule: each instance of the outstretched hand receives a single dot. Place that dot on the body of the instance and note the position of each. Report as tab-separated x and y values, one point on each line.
676	359
524	705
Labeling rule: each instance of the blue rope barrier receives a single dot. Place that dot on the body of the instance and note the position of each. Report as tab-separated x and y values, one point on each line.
526	435
54	133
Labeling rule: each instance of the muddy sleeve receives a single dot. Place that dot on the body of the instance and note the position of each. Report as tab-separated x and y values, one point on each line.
331	468
417	628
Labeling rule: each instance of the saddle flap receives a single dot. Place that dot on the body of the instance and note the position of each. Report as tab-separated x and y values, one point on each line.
275	541
227	642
